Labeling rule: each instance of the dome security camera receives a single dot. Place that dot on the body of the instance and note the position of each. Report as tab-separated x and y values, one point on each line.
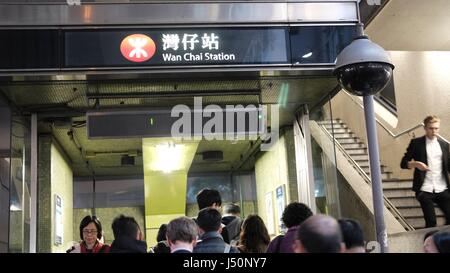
363	68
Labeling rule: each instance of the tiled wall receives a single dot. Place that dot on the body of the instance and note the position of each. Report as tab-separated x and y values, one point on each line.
54	178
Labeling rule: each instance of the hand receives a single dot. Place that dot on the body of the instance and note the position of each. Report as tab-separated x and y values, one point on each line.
421	166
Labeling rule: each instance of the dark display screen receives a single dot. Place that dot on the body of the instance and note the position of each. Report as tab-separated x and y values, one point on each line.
319	44
29	49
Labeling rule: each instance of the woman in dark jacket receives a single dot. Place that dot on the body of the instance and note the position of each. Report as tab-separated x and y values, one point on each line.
254	237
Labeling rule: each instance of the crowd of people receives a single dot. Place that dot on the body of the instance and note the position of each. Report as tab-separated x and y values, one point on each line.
210	232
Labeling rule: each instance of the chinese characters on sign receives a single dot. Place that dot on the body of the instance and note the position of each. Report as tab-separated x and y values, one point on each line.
173	42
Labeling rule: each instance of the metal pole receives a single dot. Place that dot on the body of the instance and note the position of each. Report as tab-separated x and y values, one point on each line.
34	183
375	173
93	197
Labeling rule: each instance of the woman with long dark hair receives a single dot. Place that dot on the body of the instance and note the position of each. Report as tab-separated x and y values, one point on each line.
254	237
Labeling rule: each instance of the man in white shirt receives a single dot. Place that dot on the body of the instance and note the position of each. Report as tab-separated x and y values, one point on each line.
429	157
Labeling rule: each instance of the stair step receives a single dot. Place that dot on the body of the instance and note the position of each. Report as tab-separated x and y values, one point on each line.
329	121
360	157
397	185
353	145
399	180
338	130
357	151
385	175
344	135
347	140
419	222
400	202
398	192
335	127
416	212
366	168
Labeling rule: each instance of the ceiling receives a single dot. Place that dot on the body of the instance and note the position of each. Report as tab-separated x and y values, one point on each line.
62	101
412	25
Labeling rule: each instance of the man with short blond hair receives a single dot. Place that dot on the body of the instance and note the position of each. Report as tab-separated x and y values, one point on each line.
430	158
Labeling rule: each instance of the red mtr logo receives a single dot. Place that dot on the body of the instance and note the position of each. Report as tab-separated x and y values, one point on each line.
137	48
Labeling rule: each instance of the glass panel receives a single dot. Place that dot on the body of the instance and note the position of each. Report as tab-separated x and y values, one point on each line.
387	96
20	211
324	162
238	188
109	193
319	44
245	187
5	154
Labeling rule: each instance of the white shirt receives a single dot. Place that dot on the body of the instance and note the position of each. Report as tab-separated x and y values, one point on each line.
181	248
434	180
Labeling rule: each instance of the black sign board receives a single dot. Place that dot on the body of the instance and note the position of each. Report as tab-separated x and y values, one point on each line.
177	47
144	48
243	121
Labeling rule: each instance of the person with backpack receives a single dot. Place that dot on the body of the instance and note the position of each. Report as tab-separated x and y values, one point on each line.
209	223
293	215
233	222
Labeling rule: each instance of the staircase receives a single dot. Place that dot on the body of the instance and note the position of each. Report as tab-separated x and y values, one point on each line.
398	191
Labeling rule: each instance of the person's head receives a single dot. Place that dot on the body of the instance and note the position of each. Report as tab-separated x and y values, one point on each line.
295	213
90	229
319	234
182	230
353	236
209	198
124	226
231	209
254	236
209	219
428	243
431	125
442	241
161	236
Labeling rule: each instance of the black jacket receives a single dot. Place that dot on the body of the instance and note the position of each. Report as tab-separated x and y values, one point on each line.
232	227
417	151
128	245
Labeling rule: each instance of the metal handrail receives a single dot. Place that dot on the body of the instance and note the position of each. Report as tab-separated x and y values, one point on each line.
443	139
367	179
389	131
384	126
